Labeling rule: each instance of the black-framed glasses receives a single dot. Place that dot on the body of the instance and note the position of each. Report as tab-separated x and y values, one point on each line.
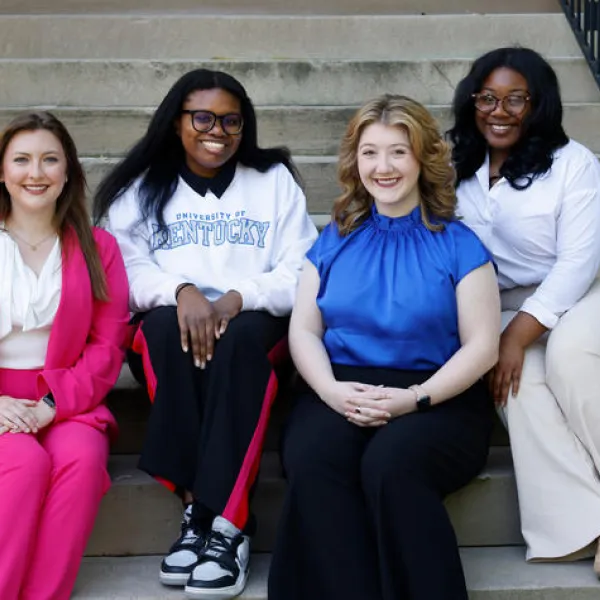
513	104
204	120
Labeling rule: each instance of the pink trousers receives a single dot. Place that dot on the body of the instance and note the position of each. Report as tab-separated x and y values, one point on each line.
51	485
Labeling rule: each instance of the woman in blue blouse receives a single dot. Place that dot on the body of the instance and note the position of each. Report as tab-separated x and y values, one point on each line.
396	320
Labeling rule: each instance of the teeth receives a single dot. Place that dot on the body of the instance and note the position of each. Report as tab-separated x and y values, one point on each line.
387	181
36	188
214	145
500	128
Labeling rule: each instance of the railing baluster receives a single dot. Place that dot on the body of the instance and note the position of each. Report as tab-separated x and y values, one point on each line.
584	18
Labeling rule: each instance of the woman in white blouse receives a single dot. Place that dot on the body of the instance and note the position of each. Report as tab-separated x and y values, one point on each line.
533	197
63	320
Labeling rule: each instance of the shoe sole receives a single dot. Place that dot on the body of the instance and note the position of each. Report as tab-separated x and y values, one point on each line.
219	594
174	579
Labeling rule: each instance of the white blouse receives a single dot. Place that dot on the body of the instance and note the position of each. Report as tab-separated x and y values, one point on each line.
28	305
547	235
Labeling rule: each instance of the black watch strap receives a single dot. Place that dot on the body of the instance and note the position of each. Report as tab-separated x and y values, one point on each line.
49	400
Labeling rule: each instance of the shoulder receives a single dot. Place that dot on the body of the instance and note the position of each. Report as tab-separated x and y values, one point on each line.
462	238
105	243
277	174
574	155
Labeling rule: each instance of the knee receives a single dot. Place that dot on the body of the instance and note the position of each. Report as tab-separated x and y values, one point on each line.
245	331
378	469
308	459
85	469
161	323
27	462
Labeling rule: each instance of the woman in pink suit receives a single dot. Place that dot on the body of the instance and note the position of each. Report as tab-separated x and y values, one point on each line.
63	320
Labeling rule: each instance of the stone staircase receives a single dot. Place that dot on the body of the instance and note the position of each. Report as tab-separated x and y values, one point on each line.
103	68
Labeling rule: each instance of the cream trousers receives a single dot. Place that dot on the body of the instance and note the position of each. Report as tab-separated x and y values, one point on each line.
554	426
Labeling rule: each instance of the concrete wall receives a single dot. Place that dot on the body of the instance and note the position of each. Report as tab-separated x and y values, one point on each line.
354	7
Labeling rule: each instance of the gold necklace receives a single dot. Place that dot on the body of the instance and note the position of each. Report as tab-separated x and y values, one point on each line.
34	247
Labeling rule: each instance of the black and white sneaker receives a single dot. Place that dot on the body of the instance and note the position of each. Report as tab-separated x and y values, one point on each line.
223	566
176	567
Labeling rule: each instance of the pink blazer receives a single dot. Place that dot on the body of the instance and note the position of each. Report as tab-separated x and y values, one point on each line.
87	339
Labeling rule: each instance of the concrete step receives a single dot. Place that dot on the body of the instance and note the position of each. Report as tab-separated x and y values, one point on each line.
120	83
197	36
306	130
140	516
491	574
317	172
320	7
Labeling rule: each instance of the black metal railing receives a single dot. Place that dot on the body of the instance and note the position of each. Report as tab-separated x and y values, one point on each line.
584	18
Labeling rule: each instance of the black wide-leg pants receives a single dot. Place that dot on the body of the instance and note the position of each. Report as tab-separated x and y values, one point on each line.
206	428
364	517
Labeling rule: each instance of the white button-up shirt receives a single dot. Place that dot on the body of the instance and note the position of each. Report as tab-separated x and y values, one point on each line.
28	305
547	235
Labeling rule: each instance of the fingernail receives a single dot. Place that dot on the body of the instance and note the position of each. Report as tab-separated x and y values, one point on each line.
209	357
203	365
184	348
197	363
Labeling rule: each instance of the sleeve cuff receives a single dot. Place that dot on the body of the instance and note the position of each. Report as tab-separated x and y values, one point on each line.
250	295
537	310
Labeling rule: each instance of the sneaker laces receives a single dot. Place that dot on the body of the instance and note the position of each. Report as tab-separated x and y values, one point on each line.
221	549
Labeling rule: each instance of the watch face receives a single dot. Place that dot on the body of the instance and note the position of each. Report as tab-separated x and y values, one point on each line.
424	403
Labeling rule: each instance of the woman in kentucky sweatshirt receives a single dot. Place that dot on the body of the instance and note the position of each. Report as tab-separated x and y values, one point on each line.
213	231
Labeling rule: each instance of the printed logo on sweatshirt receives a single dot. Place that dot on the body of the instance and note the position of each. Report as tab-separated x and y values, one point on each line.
210	230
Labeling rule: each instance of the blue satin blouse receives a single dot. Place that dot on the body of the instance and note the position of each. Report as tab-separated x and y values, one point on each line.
388	290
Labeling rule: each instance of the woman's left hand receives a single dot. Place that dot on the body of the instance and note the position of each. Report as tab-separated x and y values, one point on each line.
44	414
396	402
506	375
227	307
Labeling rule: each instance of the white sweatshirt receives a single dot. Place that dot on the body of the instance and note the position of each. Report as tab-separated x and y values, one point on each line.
253	240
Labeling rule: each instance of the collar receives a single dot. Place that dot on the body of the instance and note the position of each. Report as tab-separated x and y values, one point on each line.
217	184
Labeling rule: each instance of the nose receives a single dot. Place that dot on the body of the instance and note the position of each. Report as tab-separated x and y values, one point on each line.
383	163
499	110
35	169
217	128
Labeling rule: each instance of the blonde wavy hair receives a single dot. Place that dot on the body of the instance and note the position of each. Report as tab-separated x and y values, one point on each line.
436	180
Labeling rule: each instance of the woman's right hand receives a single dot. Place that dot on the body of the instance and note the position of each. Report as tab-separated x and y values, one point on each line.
339	395
17	415
198	321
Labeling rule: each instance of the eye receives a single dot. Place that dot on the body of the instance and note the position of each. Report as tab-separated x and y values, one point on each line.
487	99
203	118
20	159
232	121
51	159
399	152
516	101
368	152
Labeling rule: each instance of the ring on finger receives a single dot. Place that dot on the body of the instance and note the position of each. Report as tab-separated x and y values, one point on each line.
357	410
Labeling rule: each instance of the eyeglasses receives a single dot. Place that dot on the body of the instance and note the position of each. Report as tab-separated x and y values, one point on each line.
204	120
513	104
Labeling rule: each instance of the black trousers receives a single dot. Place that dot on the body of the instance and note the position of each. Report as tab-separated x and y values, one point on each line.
206	428
364	517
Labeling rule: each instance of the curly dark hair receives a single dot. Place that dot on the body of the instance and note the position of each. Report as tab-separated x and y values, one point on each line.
543	132
159	155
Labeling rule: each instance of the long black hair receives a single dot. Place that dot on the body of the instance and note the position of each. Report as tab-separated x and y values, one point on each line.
543	132
159	155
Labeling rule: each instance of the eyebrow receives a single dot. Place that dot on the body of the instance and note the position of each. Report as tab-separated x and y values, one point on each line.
488	89
397	145
23	153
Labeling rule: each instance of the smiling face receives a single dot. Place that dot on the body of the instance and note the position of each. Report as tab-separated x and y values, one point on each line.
207	152
34	169
500	129
389	169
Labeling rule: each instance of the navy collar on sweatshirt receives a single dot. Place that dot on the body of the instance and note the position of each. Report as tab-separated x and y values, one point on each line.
217	184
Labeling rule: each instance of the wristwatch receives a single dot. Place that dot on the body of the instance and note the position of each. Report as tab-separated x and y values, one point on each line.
49	400
423	399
